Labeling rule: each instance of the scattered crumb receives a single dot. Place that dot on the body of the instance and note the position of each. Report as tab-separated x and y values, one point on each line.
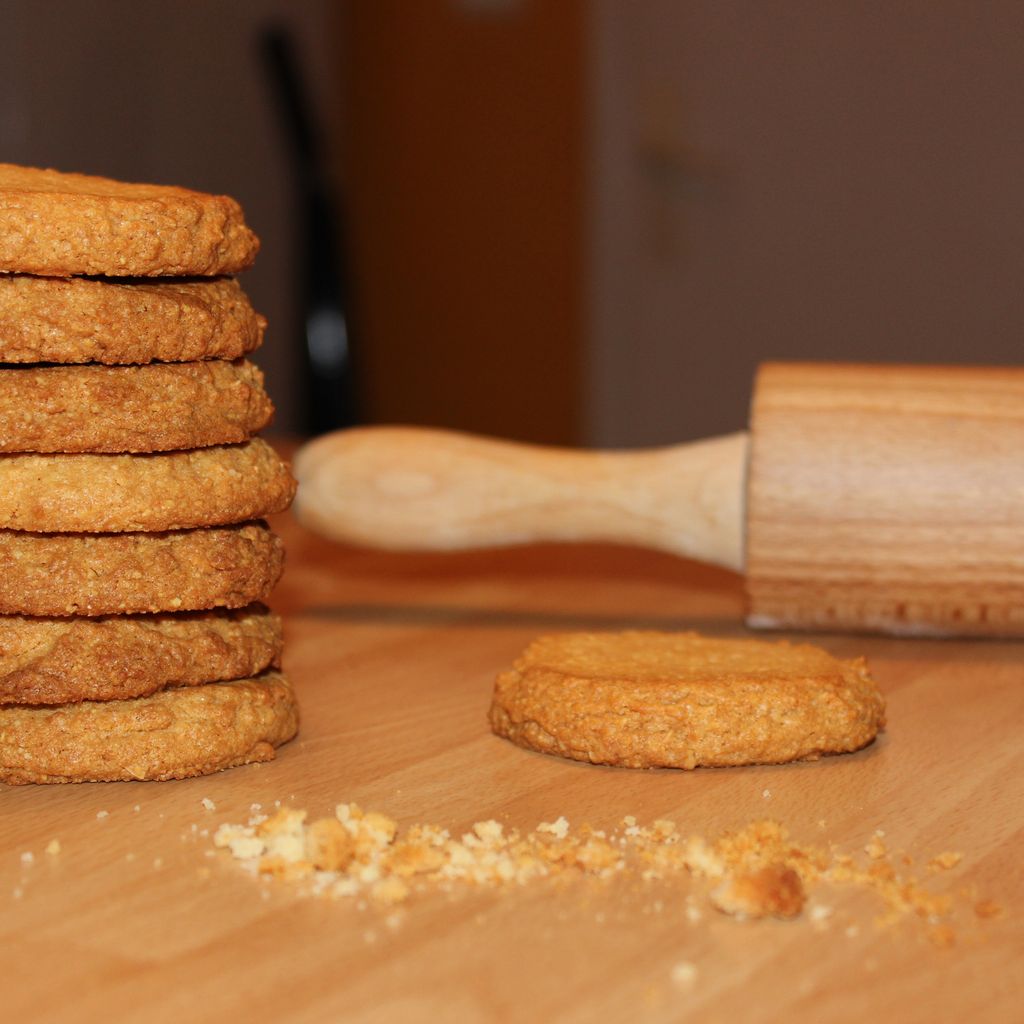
137	808
820	912
560	828
988	909
103	814
875	848
208	804
28	858
53	847
684	974
158	862
945	861
771	891
766	794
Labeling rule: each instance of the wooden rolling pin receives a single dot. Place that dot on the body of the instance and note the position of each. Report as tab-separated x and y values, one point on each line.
883	498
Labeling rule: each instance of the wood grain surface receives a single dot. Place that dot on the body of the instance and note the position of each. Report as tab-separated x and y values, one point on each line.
887	497
393	657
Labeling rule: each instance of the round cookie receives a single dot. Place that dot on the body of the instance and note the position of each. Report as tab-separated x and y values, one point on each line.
56	661
173	734
123	493
152	408
78	320
121	573
57	225
649	700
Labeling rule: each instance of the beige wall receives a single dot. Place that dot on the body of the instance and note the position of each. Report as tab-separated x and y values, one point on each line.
796	180
785	179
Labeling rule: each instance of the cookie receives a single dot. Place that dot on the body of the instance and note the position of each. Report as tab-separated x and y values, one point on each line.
121	573
77	320
124	493
153	408
57	225
649	700
173	734
56	661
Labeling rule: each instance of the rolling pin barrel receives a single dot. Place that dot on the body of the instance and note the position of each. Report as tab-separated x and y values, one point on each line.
887	498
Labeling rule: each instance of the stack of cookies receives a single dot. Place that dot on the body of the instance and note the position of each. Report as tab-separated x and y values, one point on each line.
133	556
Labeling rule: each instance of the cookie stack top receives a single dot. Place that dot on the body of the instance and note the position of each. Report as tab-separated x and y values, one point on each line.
133	553
59	225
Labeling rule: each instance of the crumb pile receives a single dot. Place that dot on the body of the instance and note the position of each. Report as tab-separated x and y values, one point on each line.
756	872
133	555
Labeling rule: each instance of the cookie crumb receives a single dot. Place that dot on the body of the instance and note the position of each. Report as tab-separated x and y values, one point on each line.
684	974
945	861
28	858
875	848
773	891
208	804
820	912
53	847
103	814
559	828
988	909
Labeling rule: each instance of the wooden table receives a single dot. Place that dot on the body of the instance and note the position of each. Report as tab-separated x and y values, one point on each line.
393	657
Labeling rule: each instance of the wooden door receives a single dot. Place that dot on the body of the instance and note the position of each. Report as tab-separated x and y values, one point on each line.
463	168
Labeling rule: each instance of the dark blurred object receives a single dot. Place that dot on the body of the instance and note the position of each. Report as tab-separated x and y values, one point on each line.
323	284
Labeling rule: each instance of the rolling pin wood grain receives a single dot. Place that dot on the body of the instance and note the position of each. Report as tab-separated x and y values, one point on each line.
866	497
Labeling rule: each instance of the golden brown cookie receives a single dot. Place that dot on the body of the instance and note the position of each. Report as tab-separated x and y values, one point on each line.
121	573
153	408
173	734
57	224
78	320
123	493
647	700
56	661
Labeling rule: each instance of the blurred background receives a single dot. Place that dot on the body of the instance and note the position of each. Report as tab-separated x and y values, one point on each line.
565	221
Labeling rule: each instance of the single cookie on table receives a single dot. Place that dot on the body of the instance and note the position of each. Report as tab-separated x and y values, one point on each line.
152	408
92	574
78	320
648	700
173	734
58	225
124	493
59	660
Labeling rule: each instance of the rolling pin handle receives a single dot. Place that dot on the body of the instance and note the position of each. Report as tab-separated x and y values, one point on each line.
408	488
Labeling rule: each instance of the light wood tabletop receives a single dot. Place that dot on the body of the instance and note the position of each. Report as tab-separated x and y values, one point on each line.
393	657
